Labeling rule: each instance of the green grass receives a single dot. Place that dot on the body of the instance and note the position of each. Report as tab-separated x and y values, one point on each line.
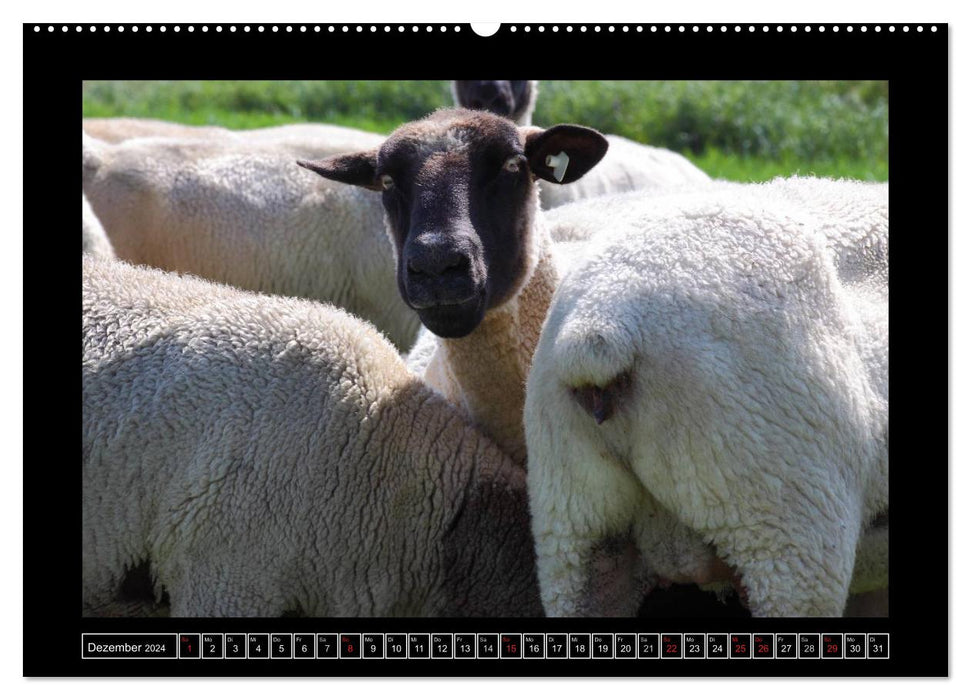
745	168
738	130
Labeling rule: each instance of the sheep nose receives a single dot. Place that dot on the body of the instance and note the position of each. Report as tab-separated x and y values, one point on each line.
438	276
435	262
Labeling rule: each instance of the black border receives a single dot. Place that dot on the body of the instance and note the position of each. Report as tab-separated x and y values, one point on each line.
915	63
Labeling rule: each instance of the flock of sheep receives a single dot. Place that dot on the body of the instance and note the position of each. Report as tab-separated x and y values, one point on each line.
475	368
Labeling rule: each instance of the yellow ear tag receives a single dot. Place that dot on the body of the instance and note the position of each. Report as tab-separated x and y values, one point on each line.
559	164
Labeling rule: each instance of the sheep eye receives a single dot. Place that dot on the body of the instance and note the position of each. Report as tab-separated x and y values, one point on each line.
386	182
512	164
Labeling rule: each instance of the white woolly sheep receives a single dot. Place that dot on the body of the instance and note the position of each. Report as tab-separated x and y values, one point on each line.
269	455
316	140
474	258
243	214
627	166
93	238
708	400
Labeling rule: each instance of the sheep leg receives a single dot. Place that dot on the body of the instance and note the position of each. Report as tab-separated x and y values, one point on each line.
673	551
584	505
797	569
591	576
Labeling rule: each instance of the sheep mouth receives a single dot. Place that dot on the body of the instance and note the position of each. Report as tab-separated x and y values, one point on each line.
453	320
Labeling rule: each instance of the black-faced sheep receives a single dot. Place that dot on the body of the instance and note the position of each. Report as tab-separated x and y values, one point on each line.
474	257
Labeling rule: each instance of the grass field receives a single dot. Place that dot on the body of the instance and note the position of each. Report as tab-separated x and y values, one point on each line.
738	130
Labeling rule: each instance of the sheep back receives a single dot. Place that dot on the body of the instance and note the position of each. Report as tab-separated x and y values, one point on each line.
247	215
750	413
268	455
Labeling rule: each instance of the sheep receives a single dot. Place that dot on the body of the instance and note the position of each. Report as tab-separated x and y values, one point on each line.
856	235
318	139
241	213
708	402
627	166
474	258
268	455
93	238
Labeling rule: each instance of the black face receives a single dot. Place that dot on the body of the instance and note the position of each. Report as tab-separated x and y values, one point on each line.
457	195
458	190
507	98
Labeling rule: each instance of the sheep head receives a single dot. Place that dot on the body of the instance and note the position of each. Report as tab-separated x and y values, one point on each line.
459	193
513	99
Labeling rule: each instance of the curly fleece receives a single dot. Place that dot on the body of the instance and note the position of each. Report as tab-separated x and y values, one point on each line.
750	324
236	209
267	454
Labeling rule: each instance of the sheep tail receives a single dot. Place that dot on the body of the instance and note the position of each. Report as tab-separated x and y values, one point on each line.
595	363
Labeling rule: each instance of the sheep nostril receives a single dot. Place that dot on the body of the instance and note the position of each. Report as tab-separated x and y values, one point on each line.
431	265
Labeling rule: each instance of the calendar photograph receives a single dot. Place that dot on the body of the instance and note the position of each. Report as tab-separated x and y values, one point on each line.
485	349
391	369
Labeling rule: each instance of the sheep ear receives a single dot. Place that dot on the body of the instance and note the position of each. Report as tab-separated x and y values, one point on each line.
353	168
563	153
